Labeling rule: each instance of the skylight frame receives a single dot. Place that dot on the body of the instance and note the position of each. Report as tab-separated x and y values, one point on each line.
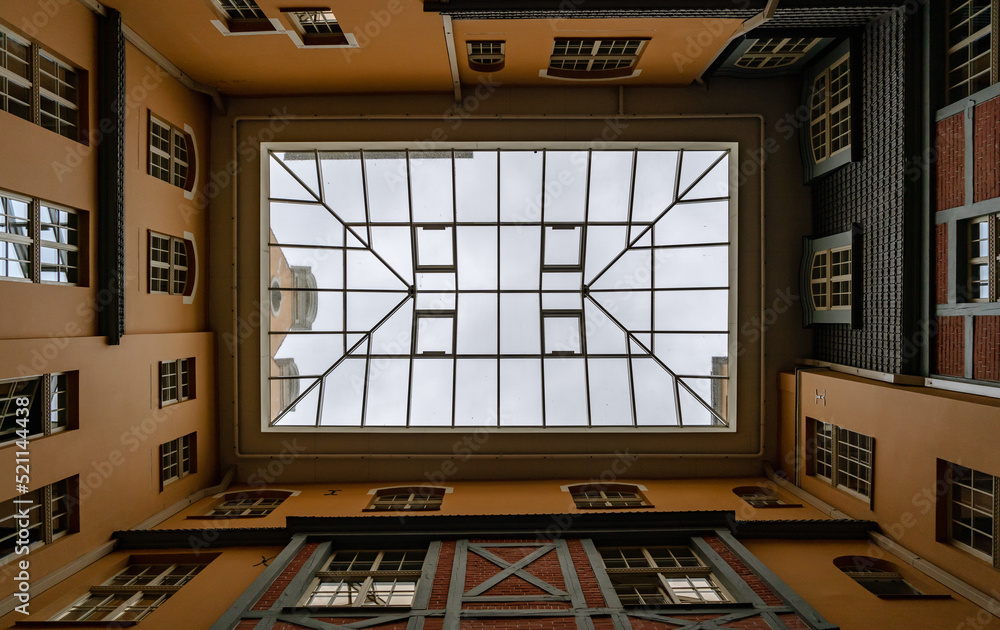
360	228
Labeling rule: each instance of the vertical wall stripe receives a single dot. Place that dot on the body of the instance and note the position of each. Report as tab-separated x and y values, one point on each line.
970	347
426	584
110	177
456	588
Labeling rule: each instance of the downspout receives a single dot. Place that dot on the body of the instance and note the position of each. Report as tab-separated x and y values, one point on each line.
491	117
136	40
449	38
747	26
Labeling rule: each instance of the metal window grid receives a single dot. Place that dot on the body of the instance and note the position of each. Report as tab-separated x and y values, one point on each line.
660	575
175	459
169	269
971	65
168	153
132	594
823	450
47	414
242	10
37	87
247	507
418	499
49	516
972	511
854	461
60	245
317	22
591	498
594	55
367	578
354	237
983	267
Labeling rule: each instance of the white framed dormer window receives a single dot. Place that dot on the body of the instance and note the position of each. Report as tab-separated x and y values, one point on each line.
971	47
170	265
969	518
841	457
59	233
761	497
608	496
655	576
983	266
176	381
170	154
409	499
178	458
247	504
486	56
776	52
316	27
242	16
592	58
53	101
137	590
829	94
367	578
830	269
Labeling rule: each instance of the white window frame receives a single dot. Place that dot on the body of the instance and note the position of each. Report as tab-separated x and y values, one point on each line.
51	504
992	513
416	499
177	169
35	248
173	274
360	596
246	507
614	496
824	278
64	99
829	107
159	586
839	451
176	383
589	51
776	52
177	459
962	87
991	260
659	577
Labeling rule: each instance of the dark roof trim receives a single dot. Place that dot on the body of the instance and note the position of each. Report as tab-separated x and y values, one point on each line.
713	7
635	527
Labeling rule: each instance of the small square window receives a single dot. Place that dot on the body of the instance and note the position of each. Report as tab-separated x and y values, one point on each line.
563	332
435	332
563	248
177	459
435	247
176	381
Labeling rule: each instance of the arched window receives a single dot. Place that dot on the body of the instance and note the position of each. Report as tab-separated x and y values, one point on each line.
248	504
608	496
408	498
761	497
878	576
486	56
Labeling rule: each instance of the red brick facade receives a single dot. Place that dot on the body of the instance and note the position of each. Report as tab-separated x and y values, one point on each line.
986	353
950	167
278	586
986	147
949	346
941	264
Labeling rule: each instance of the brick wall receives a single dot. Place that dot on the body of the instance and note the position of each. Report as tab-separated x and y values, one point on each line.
986	348
949	347
278	586
950	165
986	150
941	263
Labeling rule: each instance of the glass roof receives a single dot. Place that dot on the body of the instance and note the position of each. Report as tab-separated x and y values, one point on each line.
509	288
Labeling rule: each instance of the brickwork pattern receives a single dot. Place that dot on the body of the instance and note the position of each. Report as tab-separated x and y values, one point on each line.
588	581
986	348
520	623
949	170
871	193
941	264
287	575
752	623
743	571
986	151
247	624
442	578
949	346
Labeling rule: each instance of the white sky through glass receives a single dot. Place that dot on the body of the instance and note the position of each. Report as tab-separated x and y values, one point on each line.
511	288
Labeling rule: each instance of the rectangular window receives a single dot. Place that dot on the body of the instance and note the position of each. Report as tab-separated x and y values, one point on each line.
614	496
971	63
176	381
408	499
169	265
178	458
168	154
54	100
136	591
842	457
51	514
368	578
246	507
652	576
831	279
58	231
777	52
983	258
971	515
830	110
317	27
594	58
45	415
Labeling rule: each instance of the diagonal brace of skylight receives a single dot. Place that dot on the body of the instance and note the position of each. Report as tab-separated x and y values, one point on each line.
510	288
